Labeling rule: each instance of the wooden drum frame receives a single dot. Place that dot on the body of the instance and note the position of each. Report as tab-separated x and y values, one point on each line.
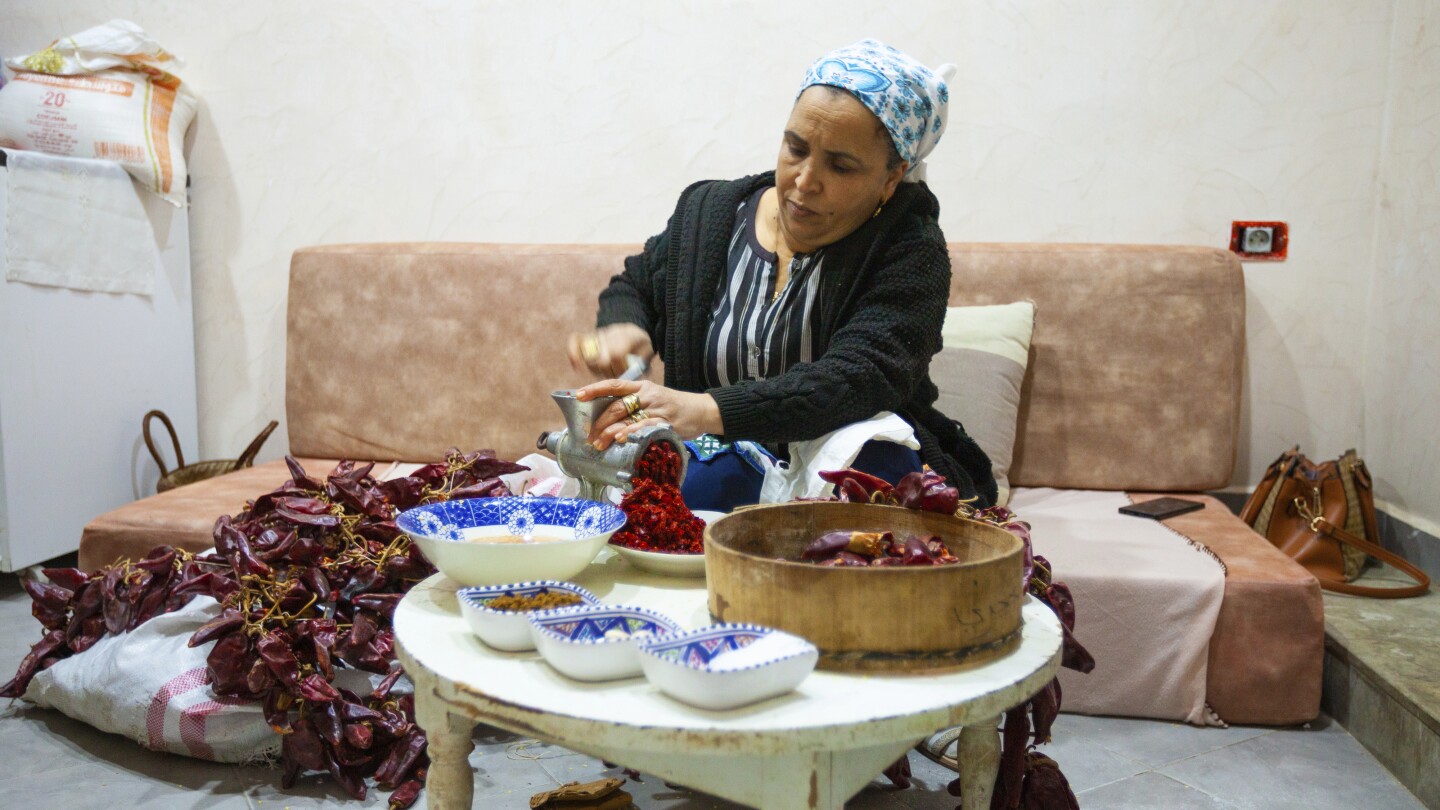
887	619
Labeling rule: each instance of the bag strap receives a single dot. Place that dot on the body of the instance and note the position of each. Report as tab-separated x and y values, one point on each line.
247	457
150	443
1320	525
1261	504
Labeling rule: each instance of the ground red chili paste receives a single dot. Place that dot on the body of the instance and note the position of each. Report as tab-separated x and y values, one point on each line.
657	518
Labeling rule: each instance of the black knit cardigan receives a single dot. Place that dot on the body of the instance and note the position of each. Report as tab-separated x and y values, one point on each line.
876	322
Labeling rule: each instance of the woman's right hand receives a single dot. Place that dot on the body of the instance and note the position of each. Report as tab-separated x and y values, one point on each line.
604	351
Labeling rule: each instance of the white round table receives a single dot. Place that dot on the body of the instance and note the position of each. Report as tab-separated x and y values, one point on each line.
813	748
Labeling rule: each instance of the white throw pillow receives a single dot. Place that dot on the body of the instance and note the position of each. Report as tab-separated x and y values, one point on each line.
979	373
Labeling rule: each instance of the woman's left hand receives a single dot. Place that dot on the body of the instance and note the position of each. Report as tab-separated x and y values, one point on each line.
689	415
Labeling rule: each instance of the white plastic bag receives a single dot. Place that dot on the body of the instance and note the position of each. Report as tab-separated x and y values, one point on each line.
107	93
149	686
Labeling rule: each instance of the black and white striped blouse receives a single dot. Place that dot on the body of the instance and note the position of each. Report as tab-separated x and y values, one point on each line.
754	334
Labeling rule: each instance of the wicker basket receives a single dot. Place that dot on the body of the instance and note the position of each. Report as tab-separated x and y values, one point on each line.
190	473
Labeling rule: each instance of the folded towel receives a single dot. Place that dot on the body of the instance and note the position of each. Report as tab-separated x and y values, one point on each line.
76	223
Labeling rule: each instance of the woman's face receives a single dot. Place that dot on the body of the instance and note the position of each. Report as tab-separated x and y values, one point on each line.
831	173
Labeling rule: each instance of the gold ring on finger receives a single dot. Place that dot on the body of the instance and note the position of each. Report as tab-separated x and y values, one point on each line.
590	349
631	403
639	416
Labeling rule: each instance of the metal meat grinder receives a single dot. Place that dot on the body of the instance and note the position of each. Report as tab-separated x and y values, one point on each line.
597	470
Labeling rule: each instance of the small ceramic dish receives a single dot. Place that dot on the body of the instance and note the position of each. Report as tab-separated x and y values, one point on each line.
666	564
596	643
510	629
460	537
684	665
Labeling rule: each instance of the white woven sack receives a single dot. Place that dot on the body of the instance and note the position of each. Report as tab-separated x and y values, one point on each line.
149	686
108	93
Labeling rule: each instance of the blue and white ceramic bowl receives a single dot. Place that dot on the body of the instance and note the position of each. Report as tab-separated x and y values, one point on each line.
452	535
510	629
586	643
681	666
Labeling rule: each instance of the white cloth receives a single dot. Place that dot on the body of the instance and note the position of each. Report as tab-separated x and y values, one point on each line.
150	686
836	450
77	223
1146	601
543	479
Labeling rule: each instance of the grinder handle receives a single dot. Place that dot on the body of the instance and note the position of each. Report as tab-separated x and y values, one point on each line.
635	368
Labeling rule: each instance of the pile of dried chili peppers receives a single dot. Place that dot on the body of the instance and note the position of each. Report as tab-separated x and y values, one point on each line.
1027	778
308	577
846	549
656	517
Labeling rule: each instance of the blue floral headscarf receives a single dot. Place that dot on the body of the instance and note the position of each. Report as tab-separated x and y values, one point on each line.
908	98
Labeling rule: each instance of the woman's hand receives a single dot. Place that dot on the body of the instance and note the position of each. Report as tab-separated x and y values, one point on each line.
689	415
603	351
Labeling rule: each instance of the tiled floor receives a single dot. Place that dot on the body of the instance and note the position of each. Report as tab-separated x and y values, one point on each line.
49	762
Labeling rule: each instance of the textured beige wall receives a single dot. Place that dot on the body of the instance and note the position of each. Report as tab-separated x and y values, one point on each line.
580	121
1402	336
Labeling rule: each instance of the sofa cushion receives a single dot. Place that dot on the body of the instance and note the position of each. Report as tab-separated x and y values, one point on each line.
400	351
1265	651
979	372
1134	378
1269	643
183	517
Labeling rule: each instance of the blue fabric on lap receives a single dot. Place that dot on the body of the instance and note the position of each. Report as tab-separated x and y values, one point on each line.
721	482
726	479
887	460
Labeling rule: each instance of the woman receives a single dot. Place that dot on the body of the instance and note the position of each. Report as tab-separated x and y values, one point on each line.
797	310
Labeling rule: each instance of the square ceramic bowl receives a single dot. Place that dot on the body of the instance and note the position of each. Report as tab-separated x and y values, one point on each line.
684	665
574	641
509	630
453	535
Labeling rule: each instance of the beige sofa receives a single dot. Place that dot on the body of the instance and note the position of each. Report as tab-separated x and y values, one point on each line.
399	351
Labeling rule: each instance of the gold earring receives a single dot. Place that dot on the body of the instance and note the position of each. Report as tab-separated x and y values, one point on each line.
877	209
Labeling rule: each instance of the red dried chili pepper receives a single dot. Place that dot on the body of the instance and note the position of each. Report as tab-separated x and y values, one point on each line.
299	479
49	645
304	746
274	649
316	689
405	795
382	603
916	553
910	490
228	667
328	724
71	579
228	621
232	544
159	560
81	635
359	735
868	482
826	545
402	758
306	511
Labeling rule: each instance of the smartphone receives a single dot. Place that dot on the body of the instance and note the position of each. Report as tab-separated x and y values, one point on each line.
1161	508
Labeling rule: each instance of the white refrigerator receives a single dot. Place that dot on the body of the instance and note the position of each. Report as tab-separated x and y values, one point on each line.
78	371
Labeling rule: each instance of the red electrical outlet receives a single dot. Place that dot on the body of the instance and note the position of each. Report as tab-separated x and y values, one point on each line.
1260	241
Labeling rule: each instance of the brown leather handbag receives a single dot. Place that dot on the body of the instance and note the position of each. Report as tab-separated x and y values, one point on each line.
1323	517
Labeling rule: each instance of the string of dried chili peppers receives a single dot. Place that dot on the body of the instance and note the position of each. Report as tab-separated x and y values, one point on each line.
1026	778
308	577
